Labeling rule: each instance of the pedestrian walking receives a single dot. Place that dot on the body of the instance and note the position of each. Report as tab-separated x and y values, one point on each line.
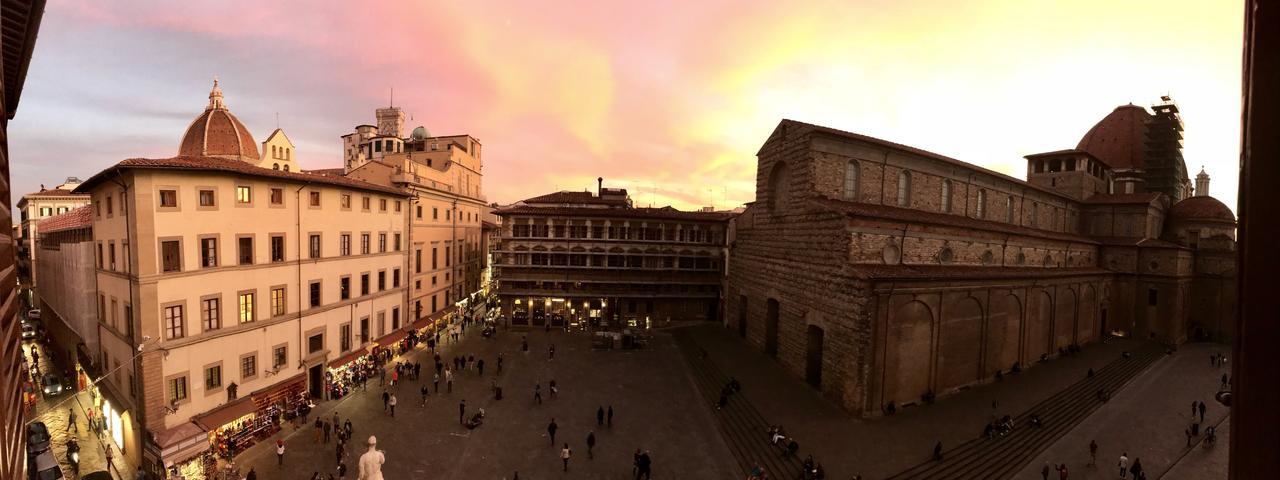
435	380
386	401
537	393
326	430
393	405
279	452
425	392
480	366
635	464
382	376
600	416
1202	409
71	420
937	451
462	410
1062	472
1093	453
1225	380
552	352
395	376
448	379
1187	431
646	465
591	443
342	470
551	430
499	372
1193	409
554	390
346	428
319	429
110	456
1044	472
1124	463
565	453
610	418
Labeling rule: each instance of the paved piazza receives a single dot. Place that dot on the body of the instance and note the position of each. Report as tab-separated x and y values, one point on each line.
655	404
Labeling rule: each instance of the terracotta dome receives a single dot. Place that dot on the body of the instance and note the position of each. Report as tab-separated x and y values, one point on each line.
1119	138
218	133
1201	208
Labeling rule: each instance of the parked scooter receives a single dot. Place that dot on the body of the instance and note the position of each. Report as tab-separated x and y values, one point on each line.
73	455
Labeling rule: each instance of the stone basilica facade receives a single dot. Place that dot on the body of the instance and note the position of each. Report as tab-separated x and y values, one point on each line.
883	273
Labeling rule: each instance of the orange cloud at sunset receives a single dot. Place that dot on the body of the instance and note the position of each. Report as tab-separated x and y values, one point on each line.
669	99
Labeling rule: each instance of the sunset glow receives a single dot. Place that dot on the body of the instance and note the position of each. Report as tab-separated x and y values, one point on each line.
670	99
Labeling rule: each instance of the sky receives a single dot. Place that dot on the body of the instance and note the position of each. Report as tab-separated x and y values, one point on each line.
667	98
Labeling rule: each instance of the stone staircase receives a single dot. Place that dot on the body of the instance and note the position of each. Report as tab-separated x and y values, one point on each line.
741	425
1002	457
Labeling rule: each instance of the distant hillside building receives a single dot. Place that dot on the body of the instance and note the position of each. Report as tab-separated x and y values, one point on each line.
883	273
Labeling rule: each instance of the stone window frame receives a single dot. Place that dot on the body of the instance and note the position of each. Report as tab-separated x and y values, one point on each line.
366	203
222	384
207	188
382	279
348	340
366	242
395	278
946	195
852	175
344	201
314	302
272	188
160	241
284	300
315	199
284	247
253	245
309	334
382	204
253	308
980	210
164	323
249	189
341	297
395	318
177	198
319	250
366	283
904	188
204	322
240	366
217	249
382	323
276	348
344	237
382	242
169	391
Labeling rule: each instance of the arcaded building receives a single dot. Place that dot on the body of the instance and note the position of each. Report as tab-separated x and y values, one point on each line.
883	273
593	259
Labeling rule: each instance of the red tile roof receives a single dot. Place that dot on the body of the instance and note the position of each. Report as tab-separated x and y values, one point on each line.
1202	208
214	164
1122	198
928	154
217	132
81	217
945	219
53	192
327	171
946	272
642	212
567	197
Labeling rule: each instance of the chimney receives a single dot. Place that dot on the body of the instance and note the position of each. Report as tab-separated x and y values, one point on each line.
599	186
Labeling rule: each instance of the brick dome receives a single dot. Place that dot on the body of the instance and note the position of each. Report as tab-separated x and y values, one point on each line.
1119	138
1201	208
218	133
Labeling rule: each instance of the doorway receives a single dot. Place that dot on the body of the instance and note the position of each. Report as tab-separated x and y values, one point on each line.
771	329
315	376
813	356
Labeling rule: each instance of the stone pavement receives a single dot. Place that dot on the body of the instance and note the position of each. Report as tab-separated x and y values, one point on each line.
882	447
656	408
53	412
1147	420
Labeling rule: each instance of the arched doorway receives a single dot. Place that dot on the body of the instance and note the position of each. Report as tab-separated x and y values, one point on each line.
771	328
813	356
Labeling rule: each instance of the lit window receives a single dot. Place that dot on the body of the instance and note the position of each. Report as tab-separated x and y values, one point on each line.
244	194
246	307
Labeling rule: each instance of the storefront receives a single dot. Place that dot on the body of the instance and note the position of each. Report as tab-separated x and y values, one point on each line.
239	424
346	372
184	452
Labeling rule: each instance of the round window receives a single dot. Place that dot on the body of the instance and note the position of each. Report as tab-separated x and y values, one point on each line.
945	255
892	255
988	257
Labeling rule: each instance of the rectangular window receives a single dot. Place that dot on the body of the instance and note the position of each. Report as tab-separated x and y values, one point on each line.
435	213
248	366
364	244
170	255
279	356
213	377
364	203
446	255
207	198
277	196
395	318
277	248
344	244
277	302
397	242
100	257
419	211
435	259
398	206
382	204
382	280
244	194
245	246
315	294
364	330
417	261
173	323
246	307
395	278
208	252
344	288
344	337
177	389
315	198
211	314
313	245
111	255
110	201
346	201
364	284
315	343
382	243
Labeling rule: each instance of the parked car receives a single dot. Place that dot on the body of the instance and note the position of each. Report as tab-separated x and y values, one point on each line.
28	331
44	467
37	438
52	384
34	314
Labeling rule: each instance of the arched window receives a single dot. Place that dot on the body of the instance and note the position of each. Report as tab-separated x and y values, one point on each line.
273	152
286	167
982	204
946	196
779	181
287	152
1008	209
275	166
851	181
904	189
